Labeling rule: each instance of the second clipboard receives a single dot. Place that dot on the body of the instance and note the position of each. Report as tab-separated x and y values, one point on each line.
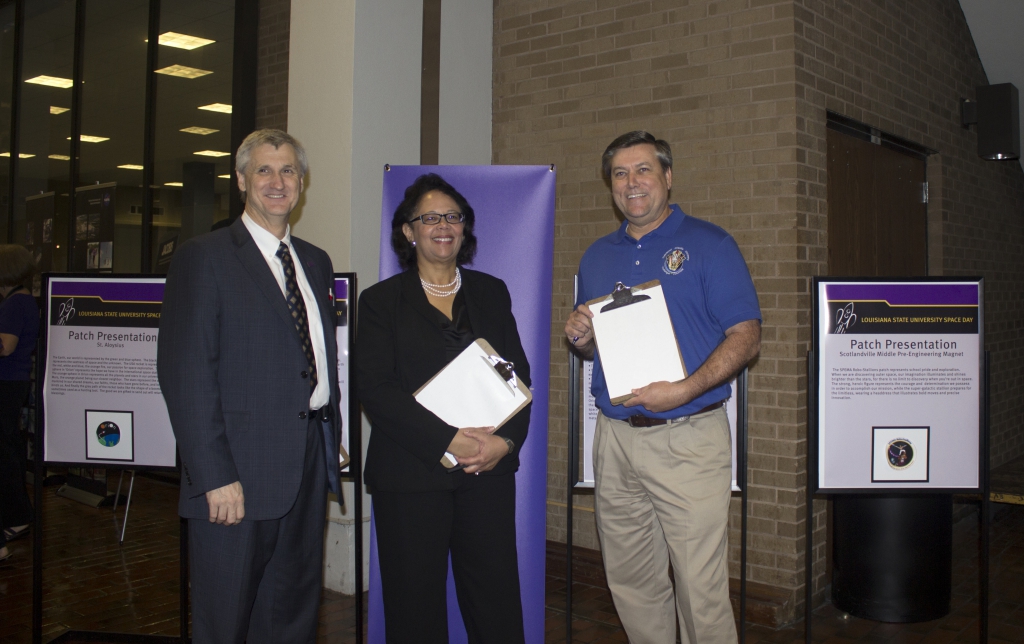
635	339
474	391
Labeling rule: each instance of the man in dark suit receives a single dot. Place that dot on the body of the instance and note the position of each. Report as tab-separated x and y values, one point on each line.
247	365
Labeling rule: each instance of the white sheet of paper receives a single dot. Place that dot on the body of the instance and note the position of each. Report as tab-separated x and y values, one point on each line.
470	393
637	344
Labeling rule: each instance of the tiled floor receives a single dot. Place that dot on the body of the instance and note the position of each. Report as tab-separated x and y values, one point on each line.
92	584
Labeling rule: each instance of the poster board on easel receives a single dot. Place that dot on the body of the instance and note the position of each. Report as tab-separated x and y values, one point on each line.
101	400
898	368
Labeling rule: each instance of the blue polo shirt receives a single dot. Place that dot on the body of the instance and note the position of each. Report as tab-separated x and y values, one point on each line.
707	288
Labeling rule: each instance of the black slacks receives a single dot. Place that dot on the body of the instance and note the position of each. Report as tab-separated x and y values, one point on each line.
475	522
260	581
15	508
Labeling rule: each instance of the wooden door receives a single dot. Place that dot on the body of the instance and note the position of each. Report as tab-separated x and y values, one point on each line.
876	210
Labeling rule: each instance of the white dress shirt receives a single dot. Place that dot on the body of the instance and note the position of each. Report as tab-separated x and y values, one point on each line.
268	243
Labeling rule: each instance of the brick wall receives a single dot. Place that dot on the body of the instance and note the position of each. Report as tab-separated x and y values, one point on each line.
902	67
272	79
740	88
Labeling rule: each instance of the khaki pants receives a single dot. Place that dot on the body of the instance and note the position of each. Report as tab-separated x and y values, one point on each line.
662	496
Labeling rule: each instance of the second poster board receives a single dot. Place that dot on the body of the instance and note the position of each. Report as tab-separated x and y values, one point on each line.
899	383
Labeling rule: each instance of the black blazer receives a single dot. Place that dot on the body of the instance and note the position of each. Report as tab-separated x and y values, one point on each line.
399	347
233	373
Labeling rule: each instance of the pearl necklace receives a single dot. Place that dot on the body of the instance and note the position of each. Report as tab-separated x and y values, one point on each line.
444	290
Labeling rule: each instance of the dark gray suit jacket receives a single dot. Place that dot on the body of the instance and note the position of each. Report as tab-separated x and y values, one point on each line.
233	373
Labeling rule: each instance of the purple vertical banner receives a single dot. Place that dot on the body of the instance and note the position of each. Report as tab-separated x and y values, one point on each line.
515	222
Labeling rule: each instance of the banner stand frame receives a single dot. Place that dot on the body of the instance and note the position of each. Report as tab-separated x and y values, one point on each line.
572	478
39	469
984	504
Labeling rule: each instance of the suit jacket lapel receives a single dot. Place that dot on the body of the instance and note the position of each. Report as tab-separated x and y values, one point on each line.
252	259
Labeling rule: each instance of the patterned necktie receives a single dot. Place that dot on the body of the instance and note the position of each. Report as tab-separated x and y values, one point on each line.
297	307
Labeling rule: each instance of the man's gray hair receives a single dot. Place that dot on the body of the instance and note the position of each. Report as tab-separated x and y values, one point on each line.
276	138
637	137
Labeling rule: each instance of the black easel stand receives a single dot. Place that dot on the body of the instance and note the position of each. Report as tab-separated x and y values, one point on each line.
985	510
741	482
570	482
355	467
812	485
355	448
572	477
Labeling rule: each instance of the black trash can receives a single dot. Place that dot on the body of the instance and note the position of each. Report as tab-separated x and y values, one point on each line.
892	556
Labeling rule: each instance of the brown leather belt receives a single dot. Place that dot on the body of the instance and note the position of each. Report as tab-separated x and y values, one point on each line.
639	420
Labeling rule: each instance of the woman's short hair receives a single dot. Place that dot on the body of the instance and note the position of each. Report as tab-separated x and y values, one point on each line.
267	136
403	213
637	137
17	266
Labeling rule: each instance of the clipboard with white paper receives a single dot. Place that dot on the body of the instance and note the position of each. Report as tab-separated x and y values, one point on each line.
476	389
635	339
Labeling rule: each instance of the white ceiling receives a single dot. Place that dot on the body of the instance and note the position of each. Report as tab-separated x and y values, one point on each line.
995	26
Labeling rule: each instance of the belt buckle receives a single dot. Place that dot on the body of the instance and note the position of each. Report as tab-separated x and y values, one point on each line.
641	421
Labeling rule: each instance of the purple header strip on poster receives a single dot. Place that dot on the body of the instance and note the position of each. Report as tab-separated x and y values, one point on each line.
110	289
341	288
920	294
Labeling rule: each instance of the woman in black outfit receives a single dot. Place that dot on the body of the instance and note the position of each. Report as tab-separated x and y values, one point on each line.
410	326
19	328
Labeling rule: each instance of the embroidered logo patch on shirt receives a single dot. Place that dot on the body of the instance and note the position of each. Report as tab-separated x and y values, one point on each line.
674	260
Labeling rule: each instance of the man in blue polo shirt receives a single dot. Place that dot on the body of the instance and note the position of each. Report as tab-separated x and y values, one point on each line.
663	458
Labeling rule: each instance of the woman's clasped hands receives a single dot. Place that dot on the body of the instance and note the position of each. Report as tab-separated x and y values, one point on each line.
478	449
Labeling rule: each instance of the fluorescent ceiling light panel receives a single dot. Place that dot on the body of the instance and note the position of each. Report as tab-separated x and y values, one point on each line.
58	110
183	72
212	153
60	157
85	138
21	155
223	176
183	41
174	184
130	166
217	107
198	130
51	81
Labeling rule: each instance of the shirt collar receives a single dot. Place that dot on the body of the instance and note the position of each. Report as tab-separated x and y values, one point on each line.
266	241
667	227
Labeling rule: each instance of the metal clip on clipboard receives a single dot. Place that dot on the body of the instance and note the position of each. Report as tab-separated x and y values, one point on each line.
504	369
623	295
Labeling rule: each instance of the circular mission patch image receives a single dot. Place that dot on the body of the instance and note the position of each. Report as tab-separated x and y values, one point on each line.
108	433
900	454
